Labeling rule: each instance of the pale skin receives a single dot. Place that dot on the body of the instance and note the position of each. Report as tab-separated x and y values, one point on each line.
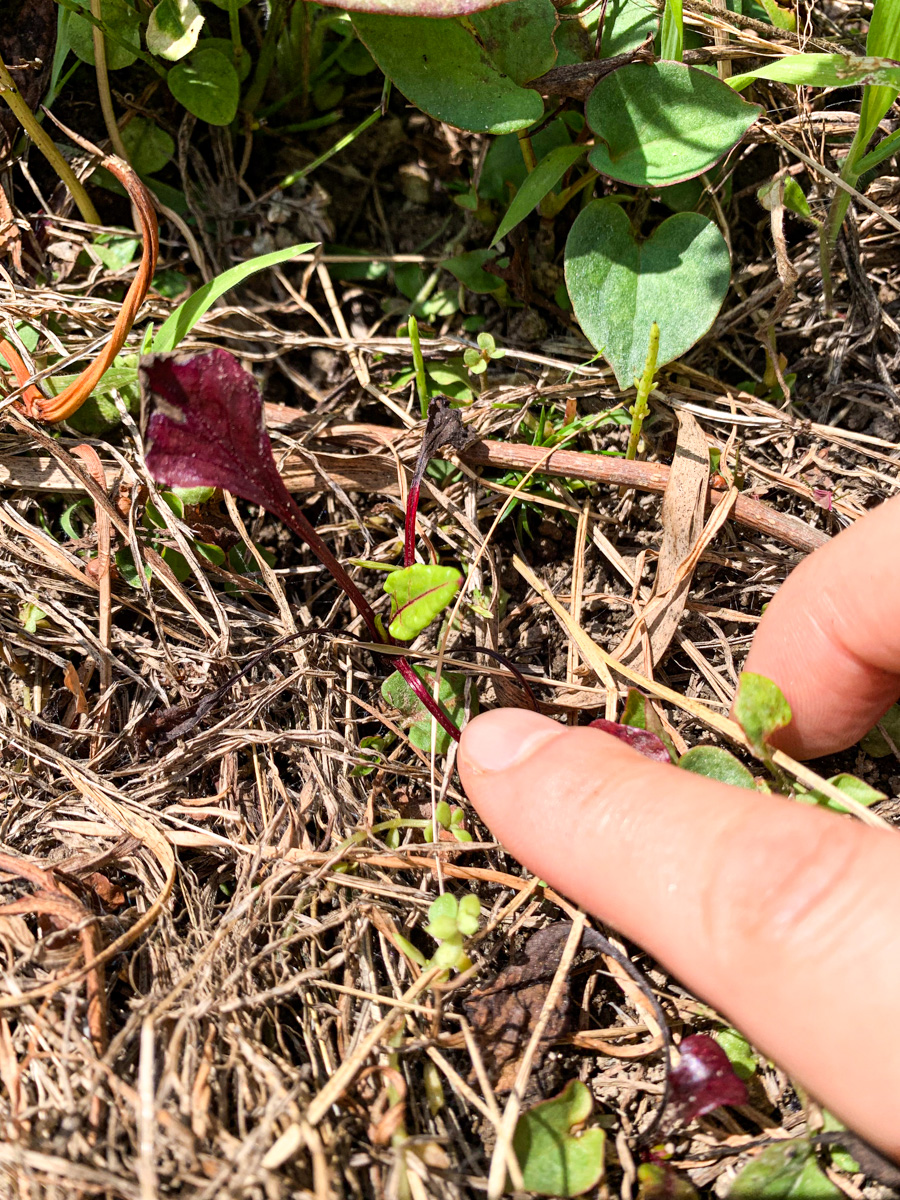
784	917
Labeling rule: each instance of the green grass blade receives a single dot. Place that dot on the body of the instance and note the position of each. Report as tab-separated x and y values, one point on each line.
186	315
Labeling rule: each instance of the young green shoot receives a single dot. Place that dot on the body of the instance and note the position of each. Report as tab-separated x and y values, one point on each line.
644	387
419	363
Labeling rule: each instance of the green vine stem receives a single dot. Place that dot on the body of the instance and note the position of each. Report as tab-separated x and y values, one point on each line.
644	387
44	143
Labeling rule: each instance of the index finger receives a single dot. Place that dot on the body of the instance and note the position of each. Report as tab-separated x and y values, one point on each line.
830	638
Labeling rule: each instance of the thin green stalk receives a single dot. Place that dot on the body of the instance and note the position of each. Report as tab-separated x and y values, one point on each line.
234	26
419	364
644	387
44	143
527	151
266	60
882	41
341	144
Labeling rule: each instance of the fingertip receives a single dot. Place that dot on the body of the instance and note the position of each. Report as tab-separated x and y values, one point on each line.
501	739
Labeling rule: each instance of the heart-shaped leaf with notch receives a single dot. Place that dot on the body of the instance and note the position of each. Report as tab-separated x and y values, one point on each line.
664	122
619	286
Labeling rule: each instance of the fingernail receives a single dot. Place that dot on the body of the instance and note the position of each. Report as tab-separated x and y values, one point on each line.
501	739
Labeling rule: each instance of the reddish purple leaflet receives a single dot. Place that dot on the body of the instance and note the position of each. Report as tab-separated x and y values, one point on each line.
704	1079
645	743
204	426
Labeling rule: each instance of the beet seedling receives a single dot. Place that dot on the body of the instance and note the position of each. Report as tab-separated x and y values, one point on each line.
204	427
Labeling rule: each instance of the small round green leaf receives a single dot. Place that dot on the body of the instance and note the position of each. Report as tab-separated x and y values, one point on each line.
173	28
418	593
663	122
716	763
207	85
124	29
760	708
678	278
225	46
443	70
555	1161
148	146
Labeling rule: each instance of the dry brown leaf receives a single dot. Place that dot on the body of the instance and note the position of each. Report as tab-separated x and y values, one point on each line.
682	522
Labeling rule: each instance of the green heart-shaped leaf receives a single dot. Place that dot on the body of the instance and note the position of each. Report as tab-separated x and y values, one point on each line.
663	122
418	593
442	69
619	286
208	86
554	1160
451	695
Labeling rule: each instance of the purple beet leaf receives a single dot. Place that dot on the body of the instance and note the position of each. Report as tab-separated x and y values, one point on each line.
645	743
204	426
443	427
704	1079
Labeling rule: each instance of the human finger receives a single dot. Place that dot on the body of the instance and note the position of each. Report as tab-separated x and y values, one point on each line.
782	916
830	638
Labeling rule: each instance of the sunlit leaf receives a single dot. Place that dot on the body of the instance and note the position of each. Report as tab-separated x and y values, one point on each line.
716	763
418	593
760	709
556	1159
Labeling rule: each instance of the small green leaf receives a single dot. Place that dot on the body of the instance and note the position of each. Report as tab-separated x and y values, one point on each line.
855	788
207	85
716	763
443	70
795	200
542	180
620	286
192	497
448	953
149	148
115	252
468	269
123	25
555	1161
785	1172
397	692
660	123
31	617
469	912
173	28
127	569
659	1181
740	1053
760	709
418	593
781	18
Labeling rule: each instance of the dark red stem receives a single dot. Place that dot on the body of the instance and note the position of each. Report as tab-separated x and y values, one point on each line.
292	516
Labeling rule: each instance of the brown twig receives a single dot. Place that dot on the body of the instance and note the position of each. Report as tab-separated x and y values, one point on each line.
100	568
